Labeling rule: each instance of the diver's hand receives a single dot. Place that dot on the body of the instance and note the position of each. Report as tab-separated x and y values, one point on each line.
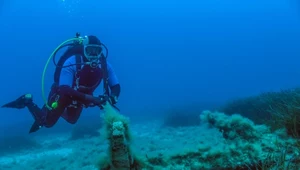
113	99
98	101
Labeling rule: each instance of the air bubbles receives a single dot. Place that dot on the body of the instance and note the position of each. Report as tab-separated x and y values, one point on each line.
70	7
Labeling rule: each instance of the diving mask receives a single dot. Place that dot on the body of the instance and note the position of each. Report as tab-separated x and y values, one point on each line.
92	51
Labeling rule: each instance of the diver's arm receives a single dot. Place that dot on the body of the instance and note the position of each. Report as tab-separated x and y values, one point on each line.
78	96
115	90
113	81
68	72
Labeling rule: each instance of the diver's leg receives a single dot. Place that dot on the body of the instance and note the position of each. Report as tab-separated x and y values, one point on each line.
26	100
45	117
38	115
42	117
72	114
54	114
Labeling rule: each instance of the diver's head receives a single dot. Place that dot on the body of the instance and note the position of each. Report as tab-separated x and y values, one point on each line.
92	48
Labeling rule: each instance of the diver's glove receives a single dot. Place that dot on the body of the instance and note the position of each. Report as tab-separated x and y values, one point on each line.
96	101
113	99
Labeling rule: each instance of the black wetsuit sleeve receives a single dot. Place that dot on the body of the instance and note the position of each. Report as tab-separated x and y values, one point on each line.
70	92
78	96
115	90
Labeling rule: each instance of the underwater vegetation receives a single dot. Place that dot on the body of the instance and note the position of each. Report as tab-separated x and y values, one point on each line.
277	109
255	133
259	132
243	145
271	143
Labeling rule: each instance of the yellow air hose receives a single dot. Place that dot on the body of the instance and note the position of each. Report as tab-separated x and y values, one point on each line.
54	105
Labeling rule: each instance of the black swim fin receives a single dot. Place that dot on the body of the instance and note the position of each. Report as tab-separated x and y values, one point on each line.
19	103
35	127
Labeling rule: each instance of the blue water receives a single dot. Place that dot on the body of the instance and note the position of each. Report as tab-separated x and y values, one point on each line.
164	53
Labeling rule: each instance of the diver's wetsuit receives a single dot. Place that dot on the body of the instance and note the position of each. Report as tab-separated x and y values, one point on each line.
71	101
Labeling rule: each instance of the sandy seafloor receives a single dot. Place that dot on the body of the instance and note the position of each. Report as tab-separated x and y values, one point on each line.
60	153
149	140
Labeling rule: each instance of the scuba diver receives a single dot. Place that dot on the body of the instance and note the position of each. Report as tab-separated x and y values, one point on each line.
78	73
